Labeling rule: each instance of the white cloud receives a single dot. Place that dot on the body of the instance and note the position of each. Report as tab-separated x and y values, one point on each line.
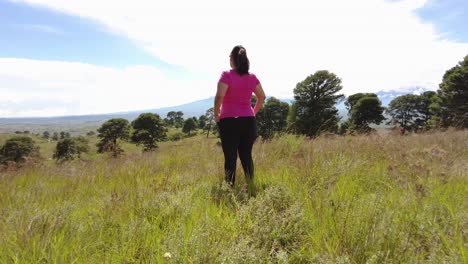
371	44
41	28
39	88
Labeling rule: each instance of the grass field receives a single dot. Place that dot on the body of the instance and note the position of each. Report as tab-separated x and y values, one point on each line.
362	199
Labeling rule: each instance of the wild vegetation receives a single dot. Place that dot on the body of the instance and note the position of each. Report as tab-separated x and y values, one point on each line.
354	199
365	197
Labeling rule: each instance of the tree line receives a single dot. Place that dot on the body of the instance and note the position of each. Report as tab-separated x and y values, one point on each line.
313	112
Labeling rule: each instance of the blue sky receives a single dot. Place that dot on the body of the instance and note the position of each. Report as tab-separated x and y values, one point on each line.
450	17
62	57
35	32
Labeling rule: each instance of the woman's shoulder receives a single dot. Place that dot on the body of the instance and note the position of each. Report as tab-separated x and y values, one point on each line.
228	72
226	76
254	77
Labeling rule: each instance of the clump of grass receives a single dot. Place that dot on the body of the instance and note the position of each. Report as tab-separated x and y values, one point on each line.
271	227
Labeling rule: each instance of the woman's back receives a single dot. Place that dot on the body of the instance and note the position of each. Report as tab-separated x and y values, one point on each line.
236	101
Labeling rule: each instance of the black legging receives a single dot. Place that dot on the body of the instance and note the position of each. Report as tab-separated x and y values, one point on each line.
238	136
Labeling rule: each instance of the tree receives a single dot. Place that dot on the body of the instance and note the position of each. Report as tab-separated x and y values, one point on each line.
170	118
202	121
55	136
454	96
110	132
415	112
189	126
148	129
175	119
46	135
425	109
210	120
179	119
404	111
81	145
17	149
91	133
197	124
363	110
314	106
69	148
354	98
272	118
344	127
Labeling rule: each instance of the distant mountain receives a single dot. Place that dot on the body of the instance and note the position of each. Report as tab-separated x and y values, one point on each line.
387	96
79	123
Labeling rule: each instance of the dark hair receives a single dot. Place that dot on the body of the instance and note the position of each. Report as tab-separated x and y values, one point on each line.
241	62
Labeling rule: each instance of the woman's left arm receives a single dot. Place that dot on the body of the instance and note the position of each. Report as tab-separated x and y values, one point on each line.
221	91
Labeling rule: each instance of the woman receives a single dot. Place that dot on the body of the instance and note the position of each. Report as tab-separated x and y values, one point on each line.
235	116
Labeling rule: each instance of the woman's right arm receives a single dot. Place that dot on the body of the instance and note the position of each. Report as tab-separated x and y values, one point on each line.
260	98
220	92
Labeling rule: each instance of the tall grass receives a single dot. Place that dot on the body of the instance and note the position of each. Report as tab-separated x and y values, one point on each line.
363	199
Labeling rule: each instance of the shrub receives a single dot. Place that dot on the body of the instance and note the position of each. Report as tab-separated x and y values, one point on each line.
69	148
17	149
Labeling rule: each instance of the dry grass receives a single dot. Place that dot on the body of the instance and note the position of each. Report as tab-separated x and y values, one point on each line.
374	199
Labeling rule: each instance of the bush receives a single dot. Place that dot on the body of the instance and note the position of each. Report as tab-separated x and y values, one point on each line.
69	148
176	136
17	149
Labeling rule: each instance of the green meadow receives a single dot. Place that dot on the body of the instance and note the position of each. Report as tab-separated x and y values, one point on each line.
380	198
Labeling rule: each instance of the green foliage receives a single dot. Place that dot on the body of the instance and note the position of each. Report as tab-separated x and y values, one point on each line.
55	136
253	101
272	118
148	129
175	119
17	149
46	135
414	112
109	134
189	126
425	107
210	124
344	127
70	148
176	136
354	98
363	110
404	111
453	107
64	134
315	100
202	120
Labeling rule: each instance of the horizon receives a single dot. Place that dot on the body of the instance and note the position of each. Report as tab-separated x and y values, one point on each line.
85	58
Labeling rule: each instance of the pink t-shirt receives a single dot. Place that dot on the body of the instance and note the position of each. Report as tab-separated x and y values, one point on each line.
236	102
